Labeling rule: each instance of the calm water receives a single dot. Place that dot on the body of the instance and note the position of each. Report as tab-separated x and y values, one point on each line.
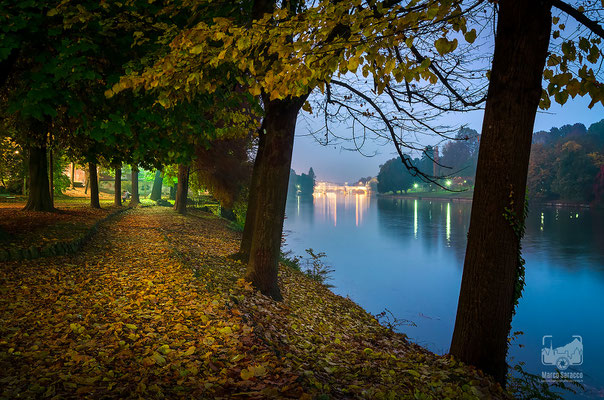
407	256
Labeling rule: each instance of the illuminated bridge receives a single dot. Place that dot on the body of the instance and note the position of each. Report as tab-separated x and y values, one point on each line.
328	187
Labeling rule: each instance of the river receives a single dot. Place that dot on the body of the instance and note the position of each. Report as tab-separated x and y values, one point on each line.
406	256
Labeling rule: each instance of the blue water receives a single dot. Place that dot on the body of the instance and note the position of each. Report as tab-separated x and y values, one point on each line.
406	256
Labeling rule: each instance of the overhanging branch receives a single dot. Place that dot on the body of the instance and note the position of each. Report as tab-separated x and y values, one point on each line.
579	16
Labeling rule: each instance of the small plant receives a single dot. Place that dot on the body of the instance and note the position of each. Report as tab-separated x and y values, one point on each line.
289	260
526	386
387	319
315	269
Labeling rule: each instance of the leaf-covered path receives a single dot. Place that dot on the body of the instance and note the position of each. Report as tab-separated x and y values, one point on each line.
153	308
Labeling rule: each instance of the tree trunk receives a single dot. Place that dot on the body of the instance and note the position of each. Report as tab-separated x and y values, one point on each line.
491	269
274	166
180	204
117	195
135	199
72	175
87	180
39	196
94	186
51	185
157	184
173	189
252	204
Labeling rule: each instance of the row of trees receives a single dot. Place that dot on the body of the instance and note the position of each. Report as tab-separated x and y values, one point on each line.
303	184
153	83
565	162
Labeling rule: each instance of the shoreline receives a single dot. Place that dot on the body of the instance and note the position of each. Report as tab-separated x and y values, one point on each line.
551	203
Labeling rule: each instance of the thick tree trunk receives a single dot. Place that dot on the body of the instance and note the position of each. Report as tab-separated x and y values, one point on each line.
180	204
173	190
72	175
157	184
117	195
94	186
39	196
135	199
51	183
490	274
252	204
271	191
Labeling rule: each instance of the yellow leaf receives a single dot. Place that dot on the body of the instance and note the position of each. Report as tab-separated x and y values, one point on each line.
190	351
196	49
131	326
247	373
158	358
259	371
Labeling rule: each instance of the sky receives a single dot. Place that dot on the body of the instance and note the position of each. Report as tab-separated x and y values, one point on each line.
335	164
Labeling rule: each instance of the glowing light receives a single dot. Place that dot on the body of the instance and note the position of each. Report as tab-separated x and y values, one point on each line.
415	185
542	220
448	182
448	229
415	218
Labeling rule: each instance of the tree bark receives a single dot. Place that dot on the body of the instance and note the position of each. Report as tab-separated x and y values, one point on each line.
157	184
491	268
51	185
72	175
94	186
87	180
274	166
39	196
180	204
173	190
117	192
135	199
252	204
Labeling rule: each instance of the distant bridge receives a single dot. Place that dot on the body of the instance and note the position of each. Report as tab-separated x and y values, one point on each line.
328	187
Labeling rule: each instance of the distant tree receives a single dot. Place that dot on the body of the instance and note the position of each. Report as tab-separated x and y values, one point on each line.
306	183
157	185
393	176
575	173
599	187
541	173
596	130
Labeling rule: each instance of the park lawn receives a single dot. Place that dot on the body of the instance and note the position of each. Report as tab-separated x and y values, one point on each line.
24	229
153	307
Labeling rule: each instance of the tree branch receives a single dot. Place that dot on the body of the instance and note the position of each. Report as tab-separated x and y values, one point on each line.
579	16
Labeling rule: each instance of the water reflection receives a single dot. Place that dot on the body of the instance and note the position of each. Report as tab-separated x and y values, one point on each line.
327	204
407	255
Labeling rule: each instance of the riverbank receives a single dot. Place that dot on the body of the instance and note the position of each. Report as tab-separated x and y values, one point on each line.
467	196
153	307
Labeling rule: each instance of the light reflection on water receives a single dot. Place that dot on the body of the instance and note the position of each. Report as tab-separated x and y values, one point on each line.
406	255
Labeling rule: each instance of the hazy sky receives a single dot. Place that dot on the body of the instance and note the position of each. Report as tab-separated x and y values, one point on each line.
335	164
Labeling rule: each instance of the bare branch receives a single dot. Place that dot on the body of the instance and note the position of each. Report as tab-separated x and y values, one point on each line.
579	16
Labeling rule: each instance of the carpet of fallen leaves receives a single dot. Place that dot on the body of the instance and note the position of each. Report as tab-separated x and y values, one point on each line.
22	229
154	308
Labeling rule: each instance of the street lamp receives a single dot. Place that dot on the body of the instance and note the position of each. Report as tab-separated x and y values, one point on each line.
448	182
